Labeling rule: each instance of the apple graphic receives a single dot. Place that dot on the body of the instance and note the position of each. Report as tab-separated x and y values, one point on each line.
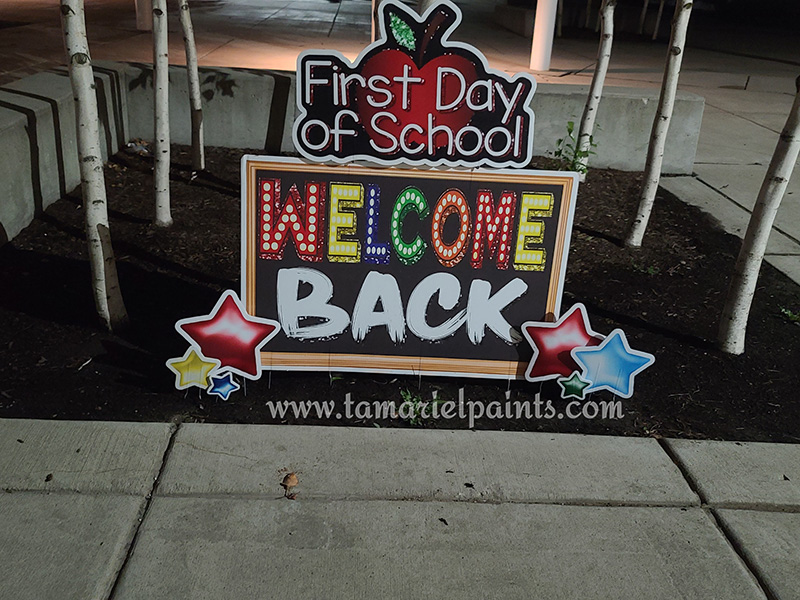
406	52
422	96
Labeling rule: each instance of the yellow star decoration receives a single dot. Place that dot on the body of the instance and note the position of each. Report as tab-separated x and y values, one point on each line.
191	370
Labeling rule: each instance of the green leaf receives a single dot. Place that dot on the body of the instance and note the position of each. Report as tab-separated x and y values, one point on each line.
402	32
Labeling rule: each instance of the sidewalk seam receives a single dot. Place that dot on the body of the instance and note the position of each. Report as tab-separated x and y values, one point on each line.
148	501
711	512
739	550
684	471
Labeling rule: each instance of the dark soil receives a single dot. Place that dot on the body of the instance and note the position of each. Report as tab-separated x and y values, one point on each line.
57	361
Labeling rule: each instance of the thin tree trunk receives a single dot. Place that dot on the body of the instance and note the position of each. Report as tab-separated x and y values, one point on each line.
658	135
559	17
658	20
196	104
743	285
372	21
105	283
596	89
643	17
588	14
161	108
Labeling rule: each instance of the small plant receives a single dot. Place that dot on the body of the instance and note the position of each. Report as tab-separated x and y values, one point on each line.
569	154
414	403
791	316
650	270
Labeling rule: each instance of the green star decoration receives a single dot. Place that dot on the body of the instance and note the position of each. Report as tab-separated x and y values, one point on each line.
573	386
402	32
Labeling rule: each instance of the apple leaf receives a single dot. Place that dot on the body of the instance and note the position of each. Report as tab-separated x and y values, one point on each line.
402	32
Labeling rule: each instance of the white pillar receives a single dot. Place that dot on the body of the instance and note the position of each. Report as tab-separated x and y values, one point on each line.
543	27
144	15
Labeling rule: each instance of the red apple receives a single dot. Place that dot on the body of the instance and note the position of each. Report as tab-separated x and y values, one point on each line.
422	96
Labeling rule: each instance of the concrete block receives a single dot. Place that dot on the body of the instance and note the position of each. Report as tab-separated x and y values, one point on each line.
771	542
743	474
38	147
241	108
17	199
621	142
200	548
515	18
81	456
481	466
55	90
64	546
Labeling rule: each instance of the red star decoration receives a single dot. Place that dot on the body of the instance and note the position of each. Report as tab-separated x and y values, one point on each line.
230	335
552	343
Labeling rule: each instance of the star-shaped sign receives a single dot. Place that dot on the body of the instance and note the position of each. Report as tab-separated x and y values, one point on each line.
612	365
230	335
553	342
573	386
191	370
223	386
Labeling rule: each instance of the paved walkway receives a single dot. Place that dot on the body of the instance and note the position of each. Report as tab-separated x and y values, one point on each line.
132	510
746	76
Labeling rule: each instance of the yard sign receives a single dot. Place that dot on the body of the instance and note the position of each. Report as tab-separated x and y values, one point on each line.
399	269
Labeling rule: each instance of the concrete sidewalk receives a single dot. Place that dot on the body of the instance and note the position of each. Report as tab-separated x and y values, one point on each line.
134	510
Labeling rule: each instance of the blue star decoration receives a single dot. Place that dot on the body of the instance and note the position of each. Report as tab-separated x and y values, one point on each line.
612	365
573	386
223	386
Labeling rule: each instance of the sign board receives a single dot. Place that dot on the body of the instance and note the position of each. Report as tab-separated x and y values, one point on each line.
413	97
401	270
447	272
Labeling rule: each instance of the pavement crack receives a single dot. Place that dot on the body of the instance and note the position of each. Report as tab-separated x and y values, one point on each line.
220	452
148	502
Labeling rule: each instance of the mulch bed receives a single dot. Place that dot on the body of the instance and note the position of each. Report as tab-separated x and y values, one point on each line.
58	362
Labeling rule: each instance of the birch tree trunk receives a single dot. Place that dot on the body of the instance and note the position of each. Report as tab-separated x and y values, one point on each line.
105	283
559	17
161	109
642	17
658	20
658	135
743	285
196	104
596	89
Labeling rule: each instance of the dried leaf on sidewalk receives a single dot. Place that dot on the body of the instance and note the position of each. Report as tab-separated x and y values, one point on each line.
290	480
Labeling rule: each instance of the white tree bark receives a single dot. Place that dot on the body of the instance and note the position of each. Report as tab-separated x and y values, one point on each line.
743	285
195	102
658	135
161	96
658	20
586	129
559	17
144	15
642	17
107	295
372	19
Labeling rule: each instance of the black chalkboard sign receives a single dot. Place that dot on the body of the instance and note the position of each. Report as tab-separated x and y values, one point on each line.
402	270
